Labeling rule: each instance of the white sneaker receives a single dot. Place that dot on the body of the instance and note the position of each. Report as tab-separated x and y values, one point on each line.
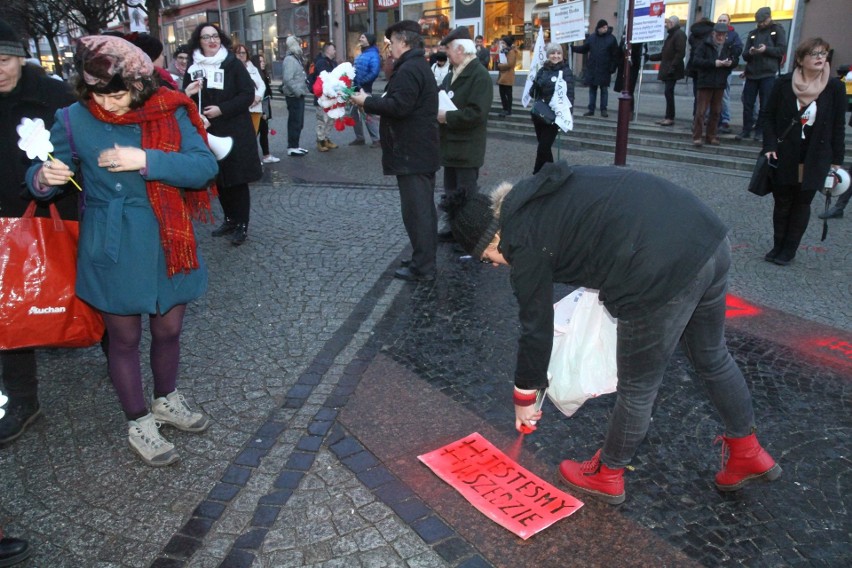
144	437
270	159
296	151
173	410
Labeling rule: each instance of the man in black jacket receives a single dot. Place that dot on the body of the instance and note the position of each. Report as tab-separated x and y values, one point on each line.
409	138
764	50
578	225
713	60
25	91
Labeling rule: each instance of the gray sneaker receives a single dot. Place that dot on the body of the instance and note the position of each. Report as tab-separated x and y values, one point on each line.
144	437
173	410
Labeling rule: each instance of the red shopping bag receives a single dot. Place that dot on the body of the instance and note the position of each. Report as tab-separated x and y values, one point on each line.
38	269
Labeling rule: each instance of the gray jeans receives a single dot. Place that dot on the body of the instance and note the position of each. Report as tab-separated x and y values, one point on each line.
645	345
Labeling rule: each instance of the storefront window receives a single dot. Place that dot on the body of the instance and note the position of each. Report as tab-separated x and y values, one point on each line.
365	15
433	17
742	11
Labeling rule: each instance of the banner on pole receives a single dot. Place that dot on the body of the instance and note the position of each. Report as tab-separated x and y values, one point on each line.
567	22
498	487
649	21
538	60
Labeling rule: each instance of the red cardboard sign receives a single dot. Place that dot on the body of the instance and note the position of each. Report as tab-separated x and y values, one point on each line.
504	491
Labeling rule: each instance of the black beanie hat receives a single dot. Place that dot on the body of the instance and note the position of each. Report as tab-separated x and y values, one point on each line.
147	43
601	23
10	43
371	38
472	221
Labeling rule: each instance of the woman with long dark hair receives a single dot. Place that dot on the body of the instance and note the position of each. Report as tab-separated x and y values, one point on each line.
143	157
226	93
814	103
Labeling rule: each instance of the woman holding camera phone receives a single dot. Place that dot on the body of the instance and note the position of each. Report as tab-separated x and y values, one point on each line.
226	92
814	102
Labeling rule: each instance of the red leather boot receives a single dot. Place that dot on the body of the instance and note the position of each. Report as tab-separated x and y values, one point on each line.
744	460
595	479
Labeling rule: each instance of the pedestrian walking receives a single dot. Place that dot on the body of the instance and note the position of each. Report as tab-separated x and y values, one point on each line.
814	103
542	89
507	59
325	61
225	91
140	148
602	48
367	66
568	224
25	92
764	50
671	65
714	60
410	147
294	87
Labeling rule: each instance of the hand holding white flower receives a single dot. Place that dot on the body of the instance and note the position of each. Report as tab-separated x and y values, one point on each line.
35	141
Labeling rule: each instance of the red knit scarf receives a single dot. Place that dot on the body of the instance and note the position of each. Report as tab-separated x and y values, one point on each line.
173	208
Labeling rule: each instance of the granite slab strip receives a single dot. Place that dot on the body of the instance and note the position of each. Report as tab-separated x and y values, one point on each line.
189	538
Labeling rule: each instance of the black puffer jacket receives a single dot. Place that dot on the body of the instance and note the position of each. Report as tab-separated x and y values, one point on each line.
544	82
409	111
603	58
35	96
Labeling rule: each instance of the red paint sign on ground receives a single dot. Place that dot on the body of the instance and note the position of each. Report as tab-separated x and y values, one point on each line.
504	491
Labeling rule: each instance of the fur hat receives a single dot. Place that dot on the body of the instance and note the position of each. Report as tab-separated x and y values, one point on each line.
762	14
460	32
100	58
404	26
10	43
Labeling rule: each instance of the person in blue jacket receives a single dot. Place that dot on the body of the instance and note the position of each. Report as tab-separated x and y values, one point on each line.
367	67
145	167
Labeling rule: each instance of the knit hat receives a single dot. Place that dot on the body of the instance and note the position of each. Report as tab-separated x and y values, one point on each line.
371	38
601	23
147	43
10	43
472	221
404	26
100	58
460	32
762	14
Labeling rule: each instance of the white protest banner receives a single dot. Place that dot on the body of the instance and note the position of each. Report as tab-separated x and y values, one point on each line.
538	60
649	21
561	105
567	22
501	489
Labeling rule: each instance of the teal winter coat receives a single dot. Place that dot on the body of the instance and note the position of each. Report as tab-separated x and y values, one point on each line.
121	267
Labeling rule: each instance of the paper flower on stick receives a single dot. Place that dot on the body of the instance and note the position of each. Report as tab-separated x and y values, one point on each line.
34	139
333	89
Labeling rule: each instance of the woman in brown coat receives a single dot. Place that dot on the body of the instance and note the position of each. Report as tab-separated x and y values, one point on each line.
506	76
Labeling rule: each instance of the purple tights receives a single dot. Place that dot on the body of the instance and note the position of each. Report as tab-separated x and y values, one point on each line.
125	333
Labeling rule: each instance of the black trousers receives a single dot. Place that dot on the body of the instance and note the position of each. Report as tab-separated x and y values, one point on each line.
506	97
669	94
263	136
791	215
236	202
460	180
546	135
19	373
417	204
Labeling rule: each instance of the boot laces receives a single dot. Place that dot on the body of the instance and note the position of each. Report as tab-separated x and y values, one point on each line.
591	466
726	450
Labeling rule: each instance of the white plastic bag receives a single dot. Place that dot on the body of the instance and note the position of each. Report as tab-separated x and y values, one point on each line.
582	363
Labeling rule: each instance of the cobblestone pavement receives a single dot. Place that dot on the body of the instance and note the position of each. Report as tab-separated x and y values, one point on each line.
325	379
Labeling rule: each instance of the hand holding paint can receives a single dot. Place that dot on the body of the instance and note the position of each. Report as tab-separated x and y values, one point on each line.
527	424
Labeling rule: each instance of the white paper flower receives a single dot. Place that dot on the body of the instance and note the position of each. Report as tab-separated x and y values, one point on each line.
34	139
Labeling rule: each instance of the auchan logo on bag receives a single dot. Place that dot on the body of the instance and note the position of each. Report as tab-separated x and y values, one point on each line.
36	311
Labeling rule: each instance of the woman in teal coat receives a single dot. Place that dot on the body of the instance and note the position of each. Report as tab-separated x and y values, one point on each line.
137	144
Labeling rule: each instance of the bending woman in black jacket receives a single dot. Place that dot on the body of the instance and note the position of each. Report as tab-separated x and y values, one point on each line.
542	89
813	145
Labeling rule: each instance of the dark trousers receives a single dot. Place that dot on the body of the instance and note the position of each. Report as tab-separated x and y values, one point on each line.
19	373
263	136
712	99
753	89
593	90
417	204
236	202
506	97
295	120
460	180
546	135
790	215
669	94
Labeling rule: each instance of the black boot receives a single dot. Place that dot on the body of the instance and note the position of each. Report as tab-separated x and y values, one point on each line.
13	550
20	412
226	228
780	219
797	224
240	234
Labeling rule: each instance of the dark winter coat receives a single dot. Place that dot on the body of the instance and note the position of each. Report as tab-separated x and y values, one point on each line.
636	50
409	111
242	164
577	225
463	135
672	55
698	32
603	58
35	96
825	138
768	63
704	61
367	67
544	83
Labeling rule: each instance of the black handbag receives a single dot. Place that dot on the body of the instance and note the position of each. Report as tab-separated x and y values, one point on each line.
760	183
543	112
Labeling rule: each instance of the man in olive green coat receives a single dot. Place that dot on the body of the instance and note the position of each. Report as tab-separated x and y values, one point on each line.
463	130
